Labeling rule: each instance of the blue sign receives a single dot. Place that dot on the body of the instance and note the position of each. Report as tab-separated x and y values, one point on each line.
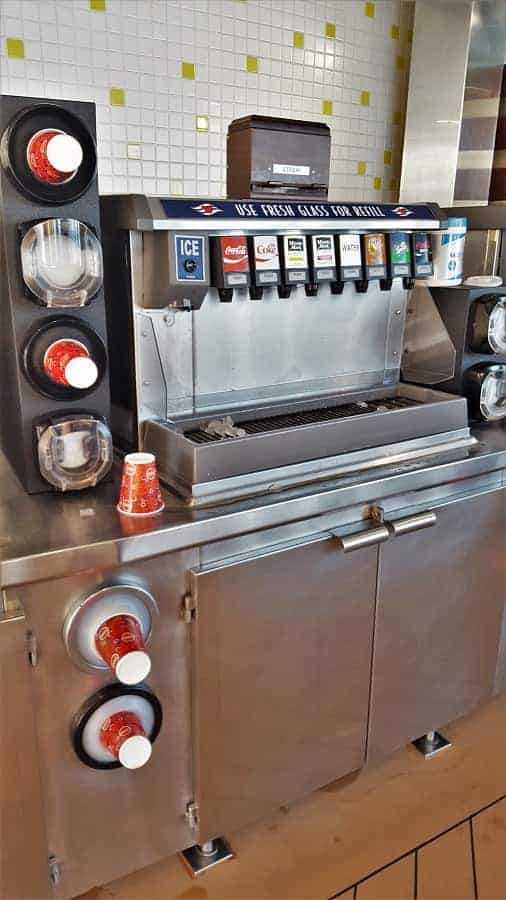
255	209
190	257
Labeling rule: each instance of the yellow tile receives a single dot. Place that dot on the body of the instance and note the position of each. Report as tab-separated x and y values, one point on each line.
387	157
15	48
327	107
400	63
393	184
361	167
202	123
97	5
188	70
298	40
252	64
330	30
364	98
410	35
116	96
395	32
370	10
377	183
397	119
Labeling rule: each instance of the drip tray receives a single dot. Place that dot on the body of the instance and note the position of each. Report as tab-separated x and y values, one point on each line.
282	447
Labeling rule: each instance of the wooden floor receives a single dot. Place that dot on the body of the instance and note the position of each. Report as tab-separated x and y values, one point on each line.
408	828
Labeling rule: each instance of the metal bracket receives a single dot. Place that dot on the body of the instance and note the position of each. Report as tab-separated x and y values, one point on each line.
54	870
32	648
202	857
431	743
378	514
192	815
188	609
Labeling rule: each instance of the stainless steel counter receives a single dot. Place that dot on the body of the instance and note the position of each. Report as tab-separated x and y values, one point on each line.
50	535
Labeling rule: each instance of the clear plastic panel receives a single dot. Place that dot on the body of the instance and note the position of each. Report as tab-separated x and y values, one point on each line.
497	327
61	261
493	394
75	452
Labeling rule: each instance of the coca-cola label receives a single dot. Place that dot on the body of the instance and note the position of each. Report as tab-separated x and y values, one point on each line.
295	252
234	254
266	252
324	253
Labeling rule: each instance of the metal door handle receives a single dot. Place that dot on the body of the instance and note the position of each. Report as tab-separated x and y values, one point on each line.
361	539
412	523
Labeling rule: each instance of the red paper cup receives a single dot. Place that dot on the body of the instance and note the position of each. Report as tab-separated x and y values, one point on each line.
68	362
140	489
53	156
122	735
120	643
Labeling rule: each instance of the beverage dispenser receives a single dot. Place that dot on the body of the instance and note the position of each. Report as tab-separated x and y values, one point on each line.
55	393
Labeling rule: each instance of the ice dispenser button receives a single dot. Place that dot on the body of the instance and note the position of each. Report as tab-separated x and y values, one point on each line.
190	258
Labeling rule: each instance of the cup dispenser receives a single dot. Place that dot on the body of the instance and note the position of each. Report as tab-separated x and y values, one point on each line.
55	392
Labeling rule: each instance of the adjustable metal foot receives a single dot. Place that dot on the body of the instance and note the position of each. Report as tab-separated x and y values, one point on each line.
431	743
201	857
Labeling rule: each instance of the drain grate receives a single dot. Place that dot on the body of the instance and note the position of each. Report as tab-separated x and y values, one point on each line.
308	417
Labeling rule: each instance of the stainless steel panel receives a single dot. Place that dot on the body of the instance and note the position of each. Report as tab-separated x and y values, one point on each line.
438	618
439	53
482	252
104	824
429	355
282	653
237	347
24	852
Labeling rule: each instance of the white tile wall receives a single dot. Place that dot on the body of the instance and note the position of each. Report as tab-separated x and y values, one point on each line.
152	145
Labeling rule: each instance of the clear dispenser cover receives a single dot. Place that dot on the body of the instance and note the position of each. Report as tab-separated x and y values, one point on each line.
75	452
497	327
493	393
61	261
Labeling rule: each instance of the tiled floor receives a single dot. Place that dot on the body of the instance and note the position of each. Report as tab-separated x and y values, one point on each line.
465	863
407	828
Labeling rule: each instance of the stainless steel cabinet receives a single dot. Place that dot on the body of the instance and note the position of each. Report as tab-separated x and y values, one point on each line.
282	668
439	610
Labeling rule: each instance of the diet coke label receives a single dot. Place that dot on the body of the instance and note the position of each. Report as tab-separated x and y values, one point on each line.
266	252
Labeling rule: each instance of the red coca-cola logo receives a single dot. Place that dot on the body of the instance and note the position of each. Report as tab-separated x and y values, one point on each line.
234	254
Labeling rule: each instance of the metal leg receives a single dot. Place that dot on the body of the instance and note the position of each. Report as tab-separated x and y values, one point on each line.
431	743
202	857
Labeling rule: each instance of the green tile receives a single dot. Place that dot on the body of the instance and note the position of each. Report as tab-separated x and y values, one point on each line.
330	30
116	96
298	40
327	106
202	123
252	64
361	168
370	10
97	5
387	157
377	183
15	48
188	70
395	32
365	98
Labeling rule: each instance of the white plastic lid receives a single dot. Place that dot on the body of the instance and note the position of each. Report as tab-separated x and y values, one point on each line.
135	752
133	667
81	372
64	153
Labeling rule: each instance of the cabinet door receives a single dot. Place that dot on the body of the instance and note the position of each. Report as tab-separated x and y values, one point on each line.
282	669
439	611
